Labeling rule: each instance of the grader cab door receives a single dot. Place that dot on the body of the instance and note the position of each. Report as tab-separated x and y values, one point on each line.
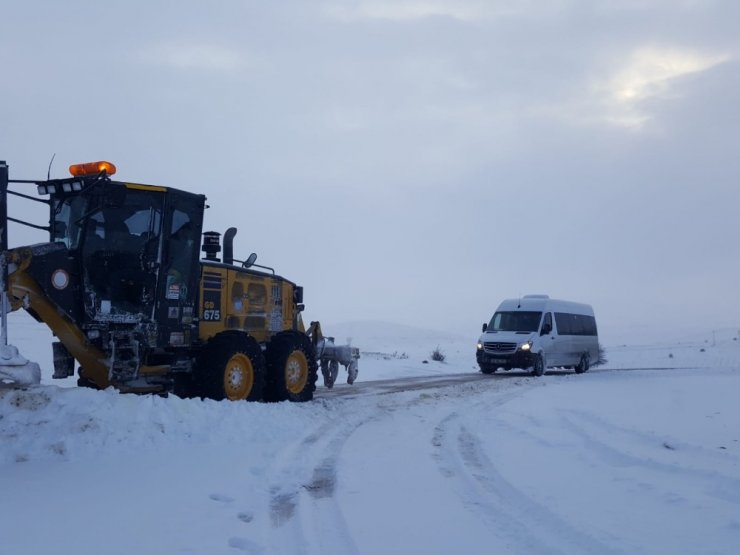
180	268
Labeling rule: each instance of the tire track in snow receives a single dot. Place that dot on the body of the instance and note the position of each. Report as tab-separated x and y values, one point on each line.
302	504
718	485
602	427
303	509
374	388
526	525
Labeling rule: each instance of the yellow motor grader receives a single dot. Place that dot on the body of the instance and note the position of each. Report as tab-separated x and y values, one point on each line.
122	286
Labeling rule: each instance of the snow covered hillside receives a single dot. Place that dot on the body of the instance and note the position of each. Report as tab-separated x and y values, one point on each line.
641	456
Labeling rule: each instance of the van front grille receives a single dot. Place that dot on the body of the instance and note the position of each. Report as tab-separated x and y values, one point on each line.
492	347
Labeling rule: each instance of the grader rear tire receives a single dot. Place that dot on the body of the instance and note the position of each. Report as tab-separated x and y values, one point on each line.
231	367
291	368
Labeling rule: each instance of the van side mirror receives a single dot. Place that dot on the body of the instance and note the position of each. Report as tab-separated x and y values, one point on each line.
485	327
547	328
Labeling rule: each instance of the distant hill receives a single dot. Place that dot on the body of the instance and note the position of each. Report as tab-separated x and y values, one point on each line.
376	335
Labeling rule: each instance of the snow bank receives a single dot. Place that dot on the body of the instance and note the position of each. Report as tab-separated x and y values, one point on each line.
628	461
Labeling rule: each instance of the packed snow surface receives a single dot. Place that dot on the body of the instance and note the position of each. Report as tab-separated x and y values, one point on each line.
641	456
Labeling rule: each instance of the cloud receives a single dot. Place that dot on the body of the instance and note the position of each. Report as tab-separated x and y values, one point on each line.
463	10
478	10
185	56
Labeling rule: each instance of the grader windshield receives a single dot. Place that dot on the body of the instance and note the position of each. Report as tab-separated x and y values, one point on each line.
116	231
82	218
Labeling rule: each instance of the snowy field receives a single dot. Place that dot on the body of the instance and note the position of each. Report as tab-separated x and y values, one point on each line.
641	456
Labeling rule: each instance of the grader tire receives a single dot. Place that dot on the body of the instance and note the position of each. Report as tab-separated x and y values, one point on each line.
231	367
291	368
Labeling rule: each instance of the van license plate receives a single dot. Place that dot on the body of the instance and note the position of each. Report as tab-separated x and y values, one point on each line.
498	360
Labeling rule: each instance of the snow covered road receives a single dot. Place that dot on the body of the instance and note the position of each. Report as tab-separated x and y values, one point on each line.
607	462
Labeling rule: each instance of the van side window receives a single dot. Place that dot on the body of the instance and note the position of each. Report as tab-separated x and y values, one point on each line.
547	322
563	322
575	324
591	325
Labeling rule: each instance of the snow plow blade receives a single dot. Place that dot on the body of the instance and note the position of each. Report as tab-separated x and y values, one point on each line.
330	356
16	371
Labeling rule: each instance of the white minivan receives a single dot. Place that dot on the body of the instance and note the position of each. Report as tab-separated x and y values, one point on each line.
538	332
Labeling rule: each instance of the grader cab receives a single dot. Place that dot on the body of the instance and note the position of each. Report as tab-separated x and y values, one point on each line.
122	286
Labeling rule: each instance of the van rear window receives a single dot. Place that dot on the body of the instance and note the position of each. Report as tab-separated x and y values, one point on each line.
575	324
515	321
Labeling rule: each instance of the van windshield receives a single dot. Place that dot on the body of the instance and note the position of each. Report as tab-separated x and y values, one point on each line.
519	321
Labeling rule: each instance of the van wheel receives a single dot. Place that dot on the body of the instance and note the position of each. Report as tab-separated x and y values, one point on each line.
488	369
583	364
539	365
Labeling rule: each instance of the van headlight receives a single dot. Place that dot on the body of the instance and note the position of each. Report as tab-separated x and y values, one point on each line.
480	345
526	346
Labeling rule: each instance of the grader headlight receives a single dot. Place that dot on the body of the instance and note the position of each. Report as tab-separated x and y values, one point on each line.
47	189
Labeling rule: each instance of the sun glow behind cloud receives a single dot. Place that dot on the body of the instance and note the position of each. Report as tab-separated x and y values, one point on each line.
650	73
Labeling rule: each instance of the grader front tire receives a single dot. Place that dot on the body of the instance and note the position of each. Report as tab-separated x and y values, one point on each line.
231	367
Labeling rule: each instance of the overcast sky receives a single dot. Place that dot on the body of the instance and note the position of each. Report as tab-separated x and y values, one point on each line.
419	161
